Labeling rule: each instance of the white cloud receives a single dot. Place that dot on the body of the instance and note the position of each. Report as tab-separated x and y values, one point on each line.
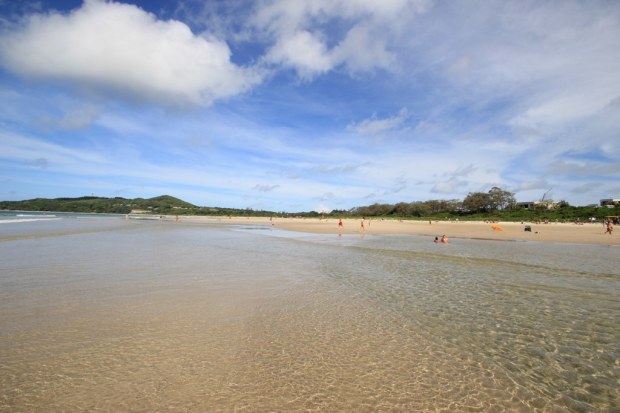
336	170
18	148
559	62
451	186
303	35
584	169
582	101
111	45
265	188
462	171
585	188
518	94
303	51
75	119
540	183
363	49
79	118
374	126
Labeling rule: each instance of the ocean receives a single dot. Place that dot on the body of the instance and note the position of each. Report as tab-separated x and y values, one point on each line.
107	314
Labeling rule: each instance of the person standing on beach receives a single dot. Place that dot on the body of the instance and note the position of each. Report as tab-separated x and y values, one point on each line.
610	227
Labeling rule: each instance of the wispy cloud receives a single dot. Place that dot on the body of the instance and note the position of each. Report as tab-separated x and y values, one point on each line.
73	120
312	103
375	125
265	188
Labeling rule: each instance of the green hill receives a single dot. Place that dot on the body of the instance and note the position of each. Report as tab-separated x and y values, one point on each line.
434	209
164	204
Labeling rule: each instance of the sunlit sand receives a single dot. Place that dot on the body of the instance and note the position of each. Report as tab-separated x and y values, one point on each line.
590	233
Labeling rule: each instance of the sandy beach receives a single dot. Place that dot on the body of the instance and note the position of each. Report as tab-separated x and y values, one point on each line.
511	231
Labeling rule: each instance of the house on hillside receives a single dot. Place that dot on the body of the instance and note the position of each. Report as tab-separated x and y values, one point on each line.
538	205
610	202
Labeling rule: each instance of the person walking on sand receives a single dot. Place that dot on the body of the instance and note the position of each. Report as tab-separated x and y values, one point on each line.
610	227
362	225
340	224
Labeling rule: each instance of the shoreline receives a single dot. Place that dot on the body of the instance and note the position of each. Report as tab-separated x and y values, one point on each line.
587	233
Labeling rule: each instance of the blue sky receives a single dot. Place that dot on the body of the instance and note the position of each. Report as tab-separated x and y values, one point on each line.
299	105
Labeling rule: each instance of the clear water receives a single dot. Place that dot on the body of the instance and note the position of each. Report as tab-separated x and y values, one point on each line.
114	315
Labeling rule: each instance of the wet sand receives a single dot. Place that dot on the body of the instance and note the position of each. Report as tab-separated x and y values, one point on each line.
511	231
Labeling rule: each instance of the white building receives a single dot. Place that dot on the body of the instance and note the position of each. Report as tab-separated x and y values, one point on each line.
610	202
538	205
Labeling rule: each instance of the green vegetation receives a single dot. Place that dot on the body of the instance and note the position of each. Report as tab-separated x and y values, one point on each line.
497	205
92	204
161	205
450	210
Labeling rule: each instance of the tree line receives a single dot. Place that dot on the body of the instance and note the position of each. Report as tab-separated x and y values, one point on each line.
496	204
495	199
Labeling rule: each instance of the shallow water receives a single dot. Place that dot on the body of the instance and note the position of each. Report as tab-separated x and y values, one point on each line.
114	315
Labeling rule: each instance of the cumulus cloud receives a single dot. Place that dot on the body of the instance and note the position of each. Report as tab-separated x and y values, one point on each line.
105	45
301	50
302	39
513	93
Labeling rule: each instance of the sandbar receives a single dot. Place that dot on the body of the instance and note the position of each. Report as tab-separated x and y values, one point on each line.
587	233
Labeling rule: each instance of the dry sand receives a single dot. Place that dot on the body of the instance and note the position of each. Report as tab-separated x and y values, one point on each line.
552	232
